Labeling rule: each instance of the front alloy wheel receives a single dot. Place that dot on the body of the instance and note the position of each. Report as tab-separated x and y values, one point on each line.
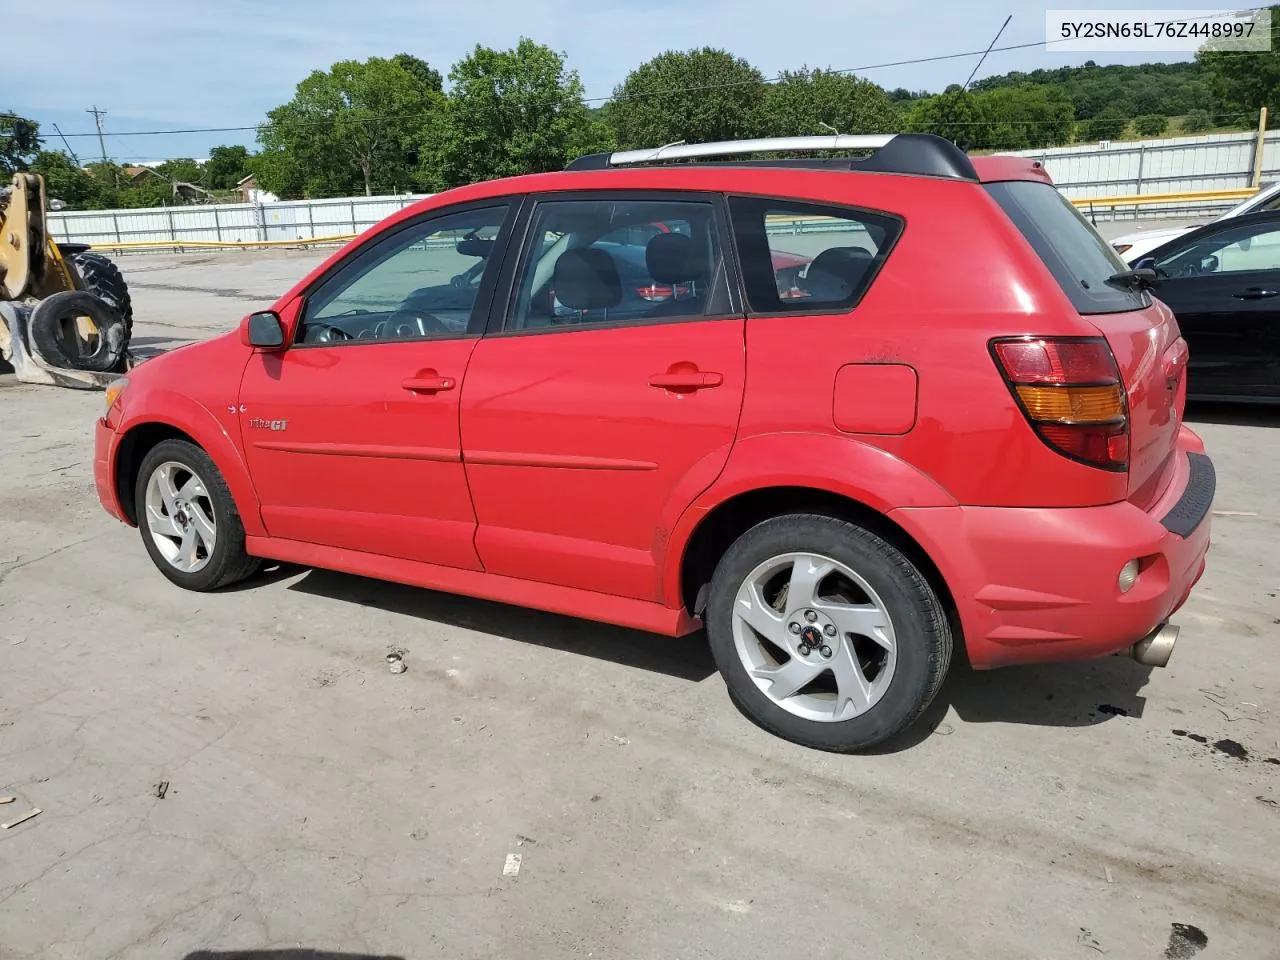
180	517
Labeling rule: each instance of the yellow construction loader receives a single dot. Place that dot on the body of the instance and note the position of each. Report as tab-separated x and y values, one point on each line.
65	314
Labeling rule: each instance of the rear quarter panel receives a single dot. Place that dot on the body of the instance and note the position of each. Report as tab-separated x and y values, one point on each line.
959	275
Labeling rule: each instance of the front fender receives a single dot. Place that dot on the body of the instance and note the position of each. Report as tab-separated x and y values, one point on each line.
835	464
211	429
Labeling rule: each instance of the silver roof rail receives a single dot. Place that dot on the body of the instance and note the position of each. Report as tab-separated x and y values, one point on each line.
729	148
920	154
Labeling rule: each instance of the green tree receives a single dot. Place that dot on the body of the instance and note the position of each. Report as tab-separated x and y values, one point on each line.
225	167
954	115
802	101
1197	121
184	170
1108	124
696	96
1243	82
1151	125
511	112
356	126
420	70
19	142
75	187
1022	118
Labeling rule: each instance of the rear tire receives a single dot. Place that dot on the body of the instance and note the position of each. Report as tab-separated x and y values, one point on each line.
825	633
188	519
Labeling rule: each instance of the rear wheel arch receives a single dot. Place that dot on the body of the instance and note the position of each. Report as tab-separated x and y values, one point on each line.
734	516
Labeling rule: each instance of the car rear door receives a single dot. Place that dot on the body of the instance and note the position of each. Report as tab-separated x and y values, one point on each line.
351	434
1223	284
606	397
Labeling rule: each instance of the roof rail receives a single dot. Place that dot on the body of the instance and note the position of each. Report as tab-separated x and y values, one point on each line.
921	154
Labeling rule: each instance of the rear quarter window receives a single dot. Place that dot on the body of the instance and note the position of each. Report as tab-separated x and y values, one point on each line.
1079	259
808	258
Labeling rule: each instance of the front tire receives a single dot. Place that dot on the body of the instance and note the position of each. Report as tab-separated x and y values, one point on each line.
825	633
188	519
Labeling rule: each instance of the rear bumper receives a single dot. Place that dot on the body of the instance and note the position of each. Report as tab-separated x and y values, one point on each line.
1036	585
105	441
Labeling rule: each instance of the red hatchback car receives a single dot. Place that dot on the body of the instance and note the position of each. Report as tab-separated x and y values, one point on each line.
844	413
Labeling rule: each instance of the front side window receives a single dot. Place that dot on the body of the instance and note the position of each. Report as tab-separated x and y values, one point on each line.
1237	249
597	261
420	283
808	258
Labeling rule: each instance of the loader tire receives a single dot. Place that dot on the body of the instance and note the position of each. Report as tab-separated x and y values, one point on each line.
53	315
102	277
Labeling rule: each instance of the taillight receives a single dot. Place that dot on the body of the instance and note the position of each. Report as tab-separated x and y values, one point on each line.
1070	390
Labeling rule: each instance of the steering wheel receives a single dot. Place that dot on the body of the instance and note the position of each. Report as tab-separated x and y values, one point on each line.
326	333
407	321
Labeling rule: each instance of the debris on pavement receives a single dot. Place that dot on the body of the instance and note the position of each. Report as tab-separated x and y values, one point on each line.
6	799
33	812
620	741
521	840
1087	939
161	789
512	867
395	663
1185	941
1108	872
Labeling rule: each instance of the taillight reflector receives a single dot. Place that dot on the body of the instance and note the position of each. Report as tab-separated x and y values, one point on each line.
1068	404
1070	391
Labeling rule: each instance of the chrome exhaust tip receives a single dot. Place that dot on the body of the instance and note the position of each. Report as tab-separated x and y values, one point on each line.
1155	649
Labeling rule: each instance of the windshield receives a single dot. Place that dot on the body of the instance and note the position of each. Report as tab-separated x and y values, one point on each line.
1079	259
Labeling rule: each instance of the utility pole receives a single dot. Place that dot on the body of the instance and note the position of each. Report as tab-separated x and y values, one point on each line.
74	158
97	119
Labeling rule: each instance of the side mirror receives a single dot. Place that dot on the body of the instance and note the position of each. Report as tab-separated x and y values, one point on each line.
263	331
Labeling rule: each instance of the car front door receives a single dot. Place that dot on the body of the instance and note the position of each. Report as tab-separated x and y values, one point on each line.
1223	284
609	397
351	434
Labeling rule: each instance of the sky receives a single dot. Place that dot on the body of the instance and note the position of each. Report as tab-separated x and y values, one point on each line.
181	64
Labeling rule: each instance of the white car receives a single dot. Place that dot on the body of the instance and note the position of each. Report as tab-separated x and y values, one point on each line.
1134	246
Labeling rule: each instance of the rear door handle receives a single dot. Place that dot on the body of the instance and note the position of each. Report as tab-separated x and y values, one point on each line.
427	384
1255	293
690	380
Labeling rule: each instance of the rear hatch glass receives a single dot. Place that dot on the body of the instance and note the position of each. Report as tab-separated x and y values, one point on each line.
1141	332
1079	259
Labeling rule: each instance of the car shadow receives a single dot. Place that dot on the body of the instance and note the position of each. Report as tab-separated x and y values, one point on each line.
1233	414
685	658
1044	695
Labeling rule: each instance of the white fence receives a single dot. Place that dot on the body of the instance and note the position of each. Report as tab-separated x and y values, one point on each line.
1175	165
1223	161
227	222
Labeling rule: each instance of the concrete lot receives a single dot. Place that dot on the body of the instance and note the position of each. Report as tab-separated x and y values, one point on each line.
317	801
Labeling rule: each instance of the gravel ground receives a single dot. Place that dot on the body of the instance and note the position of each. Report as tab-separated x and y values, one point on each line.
315	800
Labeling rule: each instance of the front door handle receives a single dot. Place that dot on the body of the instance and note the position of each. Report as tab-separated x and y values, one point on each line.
427	384
686	380
1255	293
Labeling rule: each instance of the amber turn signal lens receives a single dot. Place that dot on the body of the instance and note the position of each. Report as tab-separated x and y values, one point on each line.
1073	404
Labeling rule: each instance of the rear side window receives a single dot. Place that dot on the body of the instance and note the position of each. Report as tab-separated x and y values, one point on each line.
808	258
1079	259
